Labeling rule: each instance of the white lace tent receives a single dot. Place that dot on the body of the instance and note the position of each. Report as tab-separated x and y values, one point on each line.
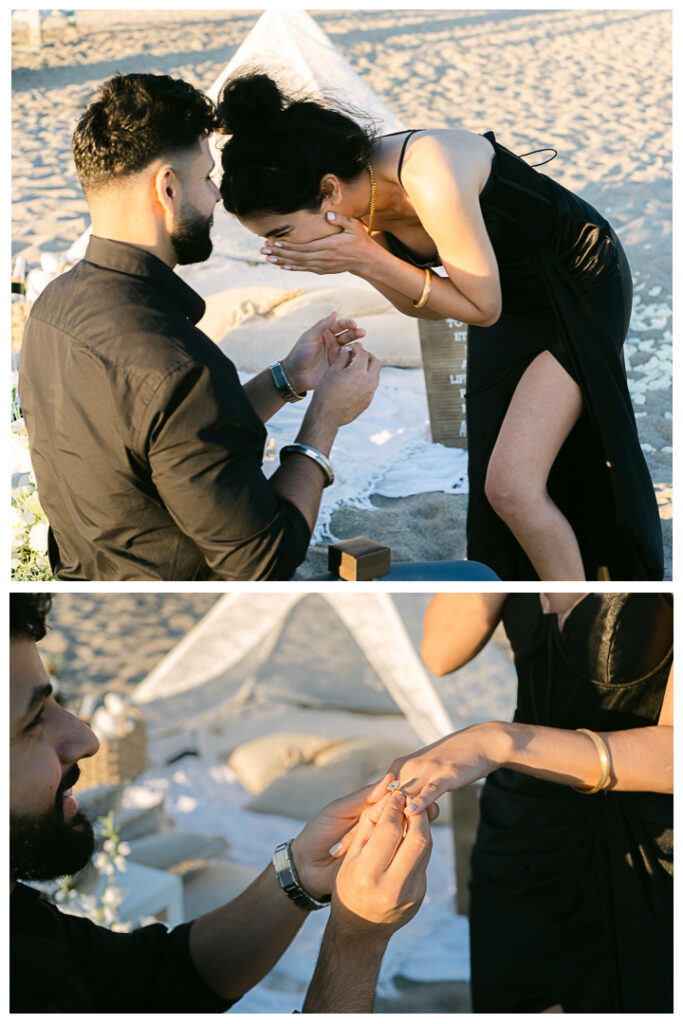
290	47
258	664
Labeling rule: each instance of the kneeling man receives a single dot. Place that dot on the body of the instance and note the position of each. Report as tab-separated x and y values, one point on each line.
146	448
65	964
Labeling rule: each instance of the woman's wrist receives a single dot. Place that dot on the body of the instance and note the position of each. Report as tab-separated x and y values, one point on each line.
498	742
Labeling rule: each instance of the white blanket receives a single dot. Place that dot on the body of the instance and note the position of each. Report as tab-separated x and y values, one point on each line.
387	450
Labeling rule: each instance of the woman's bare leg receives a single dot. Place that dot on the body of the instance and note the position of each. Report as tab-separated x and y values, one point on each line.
553	1009
545	406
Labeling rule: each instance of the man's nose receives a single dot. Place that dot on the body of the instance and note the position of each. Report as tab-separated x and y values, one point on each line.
77	739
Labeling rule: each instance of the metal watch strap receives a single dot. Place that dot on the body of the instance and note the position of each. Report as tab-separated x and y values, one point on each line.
312	453
288	880
282	385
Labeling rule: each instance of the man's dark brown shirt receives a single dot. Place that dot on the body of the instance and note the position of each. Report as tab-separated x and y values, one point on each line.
146	450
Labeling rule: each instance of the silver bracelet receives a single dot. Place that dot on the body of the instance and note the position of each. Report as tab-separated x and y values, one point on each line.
282	385
311	453
288	880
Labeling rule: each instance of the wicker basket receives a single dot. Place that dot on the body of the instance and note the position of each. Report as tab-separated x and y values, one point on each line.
118	760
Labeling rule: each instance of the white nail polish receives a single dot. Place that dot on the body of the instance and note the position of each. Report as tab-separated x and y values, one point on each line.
335	849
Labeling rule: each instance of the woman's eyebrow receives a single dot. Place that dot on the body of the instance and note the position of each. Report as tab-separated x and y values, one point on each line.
278	232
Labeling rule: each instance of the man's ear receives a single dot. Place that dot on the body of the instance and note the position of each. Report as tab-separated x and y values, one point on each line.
165	189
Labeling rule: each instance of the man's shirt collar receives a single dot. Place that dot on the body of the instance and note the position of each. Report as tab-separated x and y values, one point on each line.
130	259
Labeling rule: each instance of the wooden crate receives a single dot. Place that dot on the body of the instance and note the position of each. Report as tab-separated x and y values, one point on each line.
443	344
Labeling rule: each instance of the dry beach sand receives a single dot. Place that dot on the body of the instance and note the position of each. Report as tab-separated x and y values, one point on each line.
594	84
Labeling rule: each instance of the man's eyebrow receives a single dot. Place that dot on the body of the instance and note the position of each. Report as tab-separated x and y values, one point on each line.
40	694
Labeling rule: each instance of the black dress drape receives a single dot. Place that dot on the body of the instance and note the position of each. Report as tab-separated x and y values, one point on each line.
572	894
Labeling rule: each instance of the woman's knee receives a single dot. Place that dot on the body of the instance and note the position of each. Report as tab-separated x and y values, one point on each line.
512	494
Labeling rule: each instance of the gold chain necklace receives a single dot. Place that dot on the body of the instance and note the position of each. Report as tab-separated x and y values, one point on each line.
373	197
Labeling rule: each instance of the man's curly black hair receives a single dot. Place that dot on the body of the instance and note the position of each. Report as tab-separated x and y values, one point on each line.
133	120
27	615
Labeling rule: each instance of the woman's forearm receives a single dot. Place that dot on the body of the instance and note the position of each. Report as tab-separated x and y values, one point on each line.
400	301
641	759
386	271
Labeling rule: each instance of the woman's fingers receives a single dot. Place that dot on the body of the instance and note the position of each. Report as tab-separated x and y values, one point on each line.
427	795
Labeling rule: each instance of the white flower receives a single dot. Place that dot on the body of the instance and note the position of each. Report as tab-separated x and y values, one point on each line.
124	849
120	864
104	864
37	537
18	528
112	896
109	846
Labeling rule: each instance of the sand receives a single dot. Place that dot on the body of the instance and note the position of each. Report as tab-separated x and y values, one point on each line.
594	84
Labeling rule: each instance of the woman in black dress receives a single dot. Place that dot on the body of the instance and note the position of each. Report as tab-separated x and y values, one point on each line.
571	892
559	488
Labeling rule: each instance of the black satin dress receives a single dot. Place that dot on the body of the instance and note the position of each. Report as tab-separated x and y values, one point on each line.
572	894
566	288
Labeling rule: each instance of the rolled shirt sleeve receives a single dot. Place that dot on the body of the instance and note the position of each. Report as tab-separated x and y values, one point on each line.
205	448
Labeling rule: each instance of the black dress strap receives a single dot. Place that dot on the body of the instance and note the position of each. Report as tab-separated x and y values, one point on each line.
403	152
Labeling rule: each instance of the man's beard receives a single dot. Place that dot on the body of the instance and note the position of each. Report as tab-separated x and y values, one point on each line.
192	238
49	846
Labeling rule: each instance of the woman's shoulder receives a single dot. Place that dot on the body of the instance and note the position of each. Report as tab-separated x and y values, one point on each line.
460	155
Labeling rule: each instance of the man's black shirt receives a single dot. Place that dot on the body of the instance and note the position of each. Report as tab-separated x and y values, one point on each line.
65	964
146	450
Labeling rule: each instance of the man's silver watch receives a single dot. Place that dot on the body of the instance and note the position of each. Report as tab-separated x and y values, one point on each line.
282	385
288	880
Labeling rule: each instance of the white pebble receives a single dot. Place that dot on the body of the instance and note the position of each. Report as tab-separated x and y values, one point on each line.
655	291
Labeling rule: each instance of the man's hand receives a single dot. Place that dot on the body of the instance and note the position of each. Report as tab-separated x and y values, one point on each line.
382	880
346	388
316	866
317	349
380	886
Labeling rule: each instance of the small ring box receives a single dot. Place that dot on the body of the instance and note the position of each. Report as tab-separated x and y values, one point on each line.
359	559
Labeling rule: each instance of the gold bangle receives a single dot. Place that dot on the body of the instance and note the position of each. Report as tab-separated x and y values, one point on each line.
426	291
605	763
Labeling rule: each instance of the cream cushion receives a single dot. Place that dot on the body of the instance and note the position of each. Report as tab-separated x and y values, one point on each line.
335	772
256	326
169	850
258	762
214	885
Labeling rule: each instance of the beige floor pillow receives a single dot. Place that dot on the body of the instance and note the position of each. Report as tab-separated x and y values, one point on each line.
169	850
260	761
307	788
256	326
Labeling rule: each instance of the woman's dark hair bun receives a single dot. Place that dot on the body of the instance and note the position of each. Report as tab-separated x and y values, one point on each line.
282	146
249	101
